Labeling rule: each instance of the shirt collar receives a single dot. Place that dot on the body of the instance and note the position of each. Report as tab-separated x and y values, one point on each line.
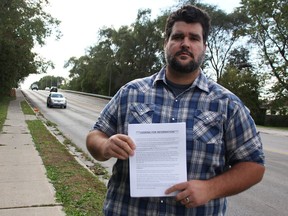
201	81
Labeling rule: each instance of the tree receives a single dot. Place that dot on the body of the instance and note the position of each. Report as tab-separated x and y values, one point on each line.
239	78
223	38
23	24
49	81
280	100
136	49
78	72
268	28
223	35
120	56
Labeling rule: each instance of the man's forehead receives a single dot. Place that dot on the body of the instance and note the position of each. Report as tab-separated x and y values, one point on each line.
184	25
187	28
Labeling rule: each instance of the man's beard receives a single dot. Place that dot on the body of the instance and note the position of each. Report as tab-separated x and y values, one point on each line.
176	65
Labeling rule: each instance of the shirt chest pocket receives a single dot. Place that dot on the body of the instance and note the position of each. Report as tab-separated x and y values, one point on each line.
141	113
208	127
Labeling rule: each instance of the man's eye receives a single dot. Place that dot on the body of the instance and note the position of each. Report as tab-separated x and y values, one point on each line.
176	37
195	38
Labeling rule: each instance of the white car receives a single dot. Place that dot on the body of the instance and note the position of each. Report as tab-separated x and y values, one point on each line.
34	87
56	99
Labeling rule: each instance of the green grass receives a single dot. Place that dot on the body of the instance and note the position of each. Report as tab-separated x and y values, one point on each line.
4	103
79	191
26	109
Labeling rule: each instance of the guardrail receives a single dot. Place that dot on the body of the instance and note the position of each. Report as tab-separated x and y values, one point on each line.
89	94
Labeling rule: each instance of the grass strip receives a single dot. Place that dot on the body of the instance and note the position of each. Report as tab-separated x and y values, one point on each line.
4	103
80	192
26	109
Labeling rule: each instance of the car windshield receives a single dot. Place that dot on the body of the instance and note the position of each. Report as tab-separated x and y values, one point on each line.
57	96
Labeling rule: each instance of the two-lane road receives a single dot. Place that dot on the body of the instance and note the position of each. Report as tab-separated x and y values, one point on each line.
76	120
270	197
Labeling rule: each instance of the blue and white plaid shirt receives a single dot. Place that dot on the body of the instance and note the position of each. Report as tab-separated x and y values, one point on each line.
220	133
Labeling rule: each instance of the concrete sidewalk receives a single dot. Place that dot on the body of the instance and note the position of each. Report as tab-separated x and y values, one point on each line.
24	187
277	132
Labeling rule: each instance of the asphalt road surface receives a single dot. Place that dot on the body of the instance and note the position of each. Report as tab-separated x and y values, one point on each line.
269	198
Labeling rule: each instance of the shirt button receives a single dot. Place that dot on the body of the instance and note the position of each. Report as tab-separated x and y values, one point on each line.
161	201
173	119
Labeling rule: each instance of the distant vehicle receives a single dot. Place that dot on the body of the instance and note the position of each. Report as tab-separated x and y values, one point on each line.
34	87
53	89
56	99
47	88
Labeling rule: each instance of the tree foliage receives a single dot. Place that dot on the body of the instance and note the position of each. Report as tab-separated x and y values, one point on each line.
223	36
268	28
120	56
137	50
49	81
23	24
240	78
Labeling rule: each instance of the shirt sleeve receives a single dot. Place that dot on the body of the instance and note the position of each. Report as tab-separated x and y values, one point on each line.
107	121
243	142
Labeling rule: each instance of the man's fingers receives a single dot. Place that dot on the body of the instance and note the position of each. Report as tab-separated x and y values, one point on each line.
177	187
121	146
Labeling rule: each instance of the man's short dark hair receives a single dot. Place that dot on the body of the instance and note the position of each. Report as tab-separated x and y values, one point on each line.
189	14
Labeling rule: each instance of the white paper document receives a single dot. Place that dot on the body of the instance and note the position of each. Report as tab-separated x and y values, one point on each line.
159	160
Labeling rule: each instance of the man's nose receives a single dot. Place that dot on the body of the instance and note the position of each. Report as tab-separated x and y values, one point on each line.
185	43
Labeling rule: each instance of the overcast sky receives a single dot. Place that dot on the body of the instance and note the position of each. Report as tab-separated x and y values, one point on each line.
82	19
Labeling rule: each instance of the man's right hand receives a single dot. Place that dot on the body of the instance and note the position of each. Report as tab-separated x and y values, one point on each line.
102	147
119	146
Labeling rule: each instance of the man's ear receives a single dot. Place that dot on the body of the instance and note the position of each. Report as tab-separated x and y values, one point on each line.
205	45
165	43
